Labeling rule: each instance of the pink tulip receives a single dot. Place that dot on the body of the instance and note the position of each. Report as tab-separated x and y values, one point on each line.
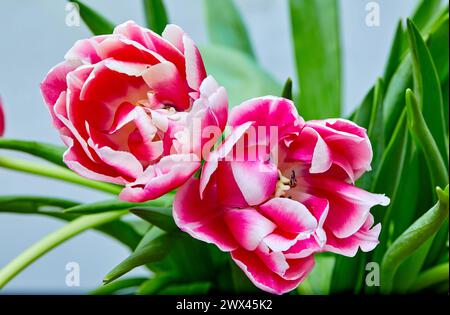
2	119
124	105
275	199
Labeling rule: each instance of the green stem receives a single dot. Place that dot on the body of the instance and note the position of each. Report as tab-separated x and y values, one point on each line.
57	172
409	241
54	239
430	277
420	131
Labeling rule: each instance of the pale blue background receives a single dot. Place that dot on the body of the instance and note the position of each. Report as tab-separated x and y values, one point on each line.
35	37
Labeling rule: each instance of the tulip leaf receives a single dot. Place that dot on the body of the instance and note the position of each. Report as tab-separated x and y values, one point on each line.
396	53
160	217
225	26
438	45
417	234
408	193
287	89
364	111
427	88
394	99
35	205
432	276
391	167
408	271
53	207
391	164
375	133
117	204
402	78
320	277
155	284
315	31
422	133
98	24
46	151
155	15
425	13
187	289
149	252
238	73
117	287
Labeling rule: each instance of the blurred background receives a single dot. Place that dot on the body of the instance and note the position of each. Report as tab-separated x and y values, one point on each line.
35	37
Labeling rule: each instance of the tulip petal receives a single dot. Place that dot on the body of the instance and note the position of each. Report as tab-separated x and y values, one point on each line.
289	215
248	226
349	205
169	173
366	239
265	279
202	218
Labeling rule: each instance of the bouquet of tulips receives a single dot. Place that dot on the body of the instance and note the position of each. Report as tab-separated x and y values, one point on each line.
225	181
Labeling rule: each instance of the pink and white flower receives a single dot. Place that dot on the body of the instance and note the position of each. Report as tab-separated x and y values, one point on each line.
124	102
288	195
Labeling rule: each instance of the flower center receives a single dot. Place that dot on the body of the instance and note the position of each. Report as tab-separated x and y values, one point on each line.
284	183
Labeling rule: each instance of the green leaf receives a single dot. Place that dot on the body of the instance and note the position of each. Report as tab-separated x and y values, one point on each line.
416	235
53	207
35	205
407	197
150	252
287	89
315	31
409	269
394	99
46	151
396	53
437	43
117	287
402	77
160	217
188	288
116	204
187	259
431	277
320	277
376	133
425	13
156	283
238	73
421	132
155	15
445	95
364	110
98	24
347	274
391	167
427	88
225	26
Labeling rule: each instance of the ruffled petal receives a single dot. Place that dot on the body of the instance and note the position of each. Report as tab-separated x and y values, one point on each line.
267	280
366	239
169	173
248	226
349	205
202	218
289	215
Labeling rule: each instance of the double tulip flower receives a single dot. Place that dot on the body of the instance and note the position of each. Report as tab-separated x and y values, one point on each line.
138	109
